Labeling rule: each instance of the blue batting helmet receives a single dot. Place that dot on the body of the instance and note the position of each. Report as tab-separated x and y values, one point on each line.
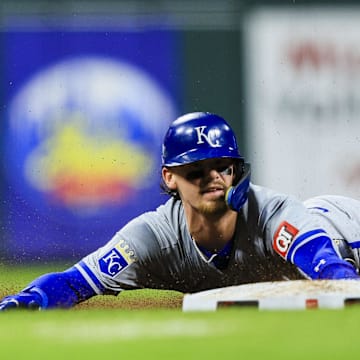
198	136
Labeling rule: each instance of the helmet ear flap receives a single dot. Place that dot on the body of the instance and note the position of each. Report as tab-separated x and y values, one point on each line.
239	170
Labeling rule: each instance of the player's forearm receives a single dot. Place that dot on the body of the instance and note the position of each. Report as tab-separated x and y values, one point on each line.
54	290
63	289
314	254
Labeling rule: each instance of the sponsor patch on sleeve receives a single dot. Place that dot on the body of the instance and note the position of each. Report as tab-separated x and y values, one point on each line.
117	259
283	238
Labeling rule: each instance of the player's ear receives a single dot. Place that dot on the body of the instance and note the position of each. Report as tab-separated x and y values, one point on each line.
169	178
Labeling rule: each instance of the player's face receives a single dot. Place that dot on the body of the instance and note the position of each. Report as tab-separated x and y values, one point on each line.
202	185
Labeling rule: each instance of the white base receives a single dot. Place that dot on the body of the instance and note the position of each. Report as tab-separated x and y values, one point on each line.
279	295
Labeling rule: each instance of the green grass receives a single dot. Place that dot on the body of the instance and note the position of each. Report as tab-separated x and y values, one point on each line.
162	333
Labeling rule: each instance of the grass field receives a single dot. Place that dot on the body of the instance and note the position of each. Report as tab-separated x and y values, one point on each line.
120	327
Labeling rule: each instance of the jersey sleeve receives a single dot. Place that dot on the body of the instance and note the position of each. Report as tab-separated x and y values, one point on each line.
293	233
121	263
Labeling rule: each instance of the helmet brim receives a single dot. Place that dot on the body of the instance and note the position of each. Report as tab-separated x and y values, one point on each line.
199	155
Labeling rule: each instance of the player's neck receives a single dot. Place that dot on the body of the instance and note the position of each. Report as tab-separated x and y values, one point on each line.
212	232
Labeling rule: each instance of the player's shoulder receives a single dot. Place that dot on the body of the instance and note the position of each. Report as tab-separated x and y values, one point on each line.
168	214
263	195
164	223
265	202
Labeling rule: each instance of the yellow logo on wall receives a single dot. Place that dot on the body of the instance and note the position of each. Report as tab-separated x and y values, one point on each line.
82	168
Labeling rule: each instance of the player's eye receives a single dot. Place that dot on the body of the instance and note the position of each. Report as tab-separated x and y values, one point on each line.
226	170
194	175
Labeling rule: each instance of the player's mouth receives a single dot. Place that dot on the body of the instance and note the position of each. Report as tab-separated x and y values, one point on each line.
214	191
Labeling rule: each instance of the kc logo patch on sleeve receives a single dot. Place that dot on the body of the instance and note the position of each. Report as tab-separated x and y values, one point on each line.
117	259
283	238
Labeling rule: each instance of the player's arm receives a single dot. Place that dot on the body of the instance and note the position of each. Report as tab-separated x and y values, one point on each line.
312	252
56	290
106	271
298	239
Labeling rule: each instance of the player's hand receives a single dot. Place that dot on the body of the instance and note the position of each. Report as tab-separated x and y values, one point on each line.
339	272
237	195
22	300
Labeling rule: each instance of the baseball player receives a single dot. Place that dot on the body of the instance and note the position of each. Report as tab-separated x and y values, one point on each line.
217	229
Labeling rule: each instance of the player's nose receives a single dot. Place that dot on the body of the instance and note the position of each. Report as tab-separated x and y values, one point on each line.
211	173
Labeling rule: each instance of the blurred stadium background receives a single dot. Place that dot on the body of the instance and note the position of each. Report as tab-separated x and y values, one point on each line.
89	87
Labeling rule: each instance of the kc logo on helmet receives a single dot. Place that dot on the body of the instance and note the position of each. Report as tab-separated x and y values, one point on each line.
201	135
283	238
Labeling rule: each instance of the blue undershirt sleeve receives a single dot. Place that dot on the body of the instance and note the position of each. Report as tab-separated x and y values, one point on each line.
315	255
64	289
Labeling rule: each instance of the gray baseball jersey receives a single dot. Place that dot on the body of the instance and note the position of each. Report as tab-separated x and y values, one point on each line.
155	250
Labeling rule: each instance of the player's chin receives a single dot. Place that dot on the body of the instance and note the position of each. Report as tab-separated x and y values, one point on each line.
214	207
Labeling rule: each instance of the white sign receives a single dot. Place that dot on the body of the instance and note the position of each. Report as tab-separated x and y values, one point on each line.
303	96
